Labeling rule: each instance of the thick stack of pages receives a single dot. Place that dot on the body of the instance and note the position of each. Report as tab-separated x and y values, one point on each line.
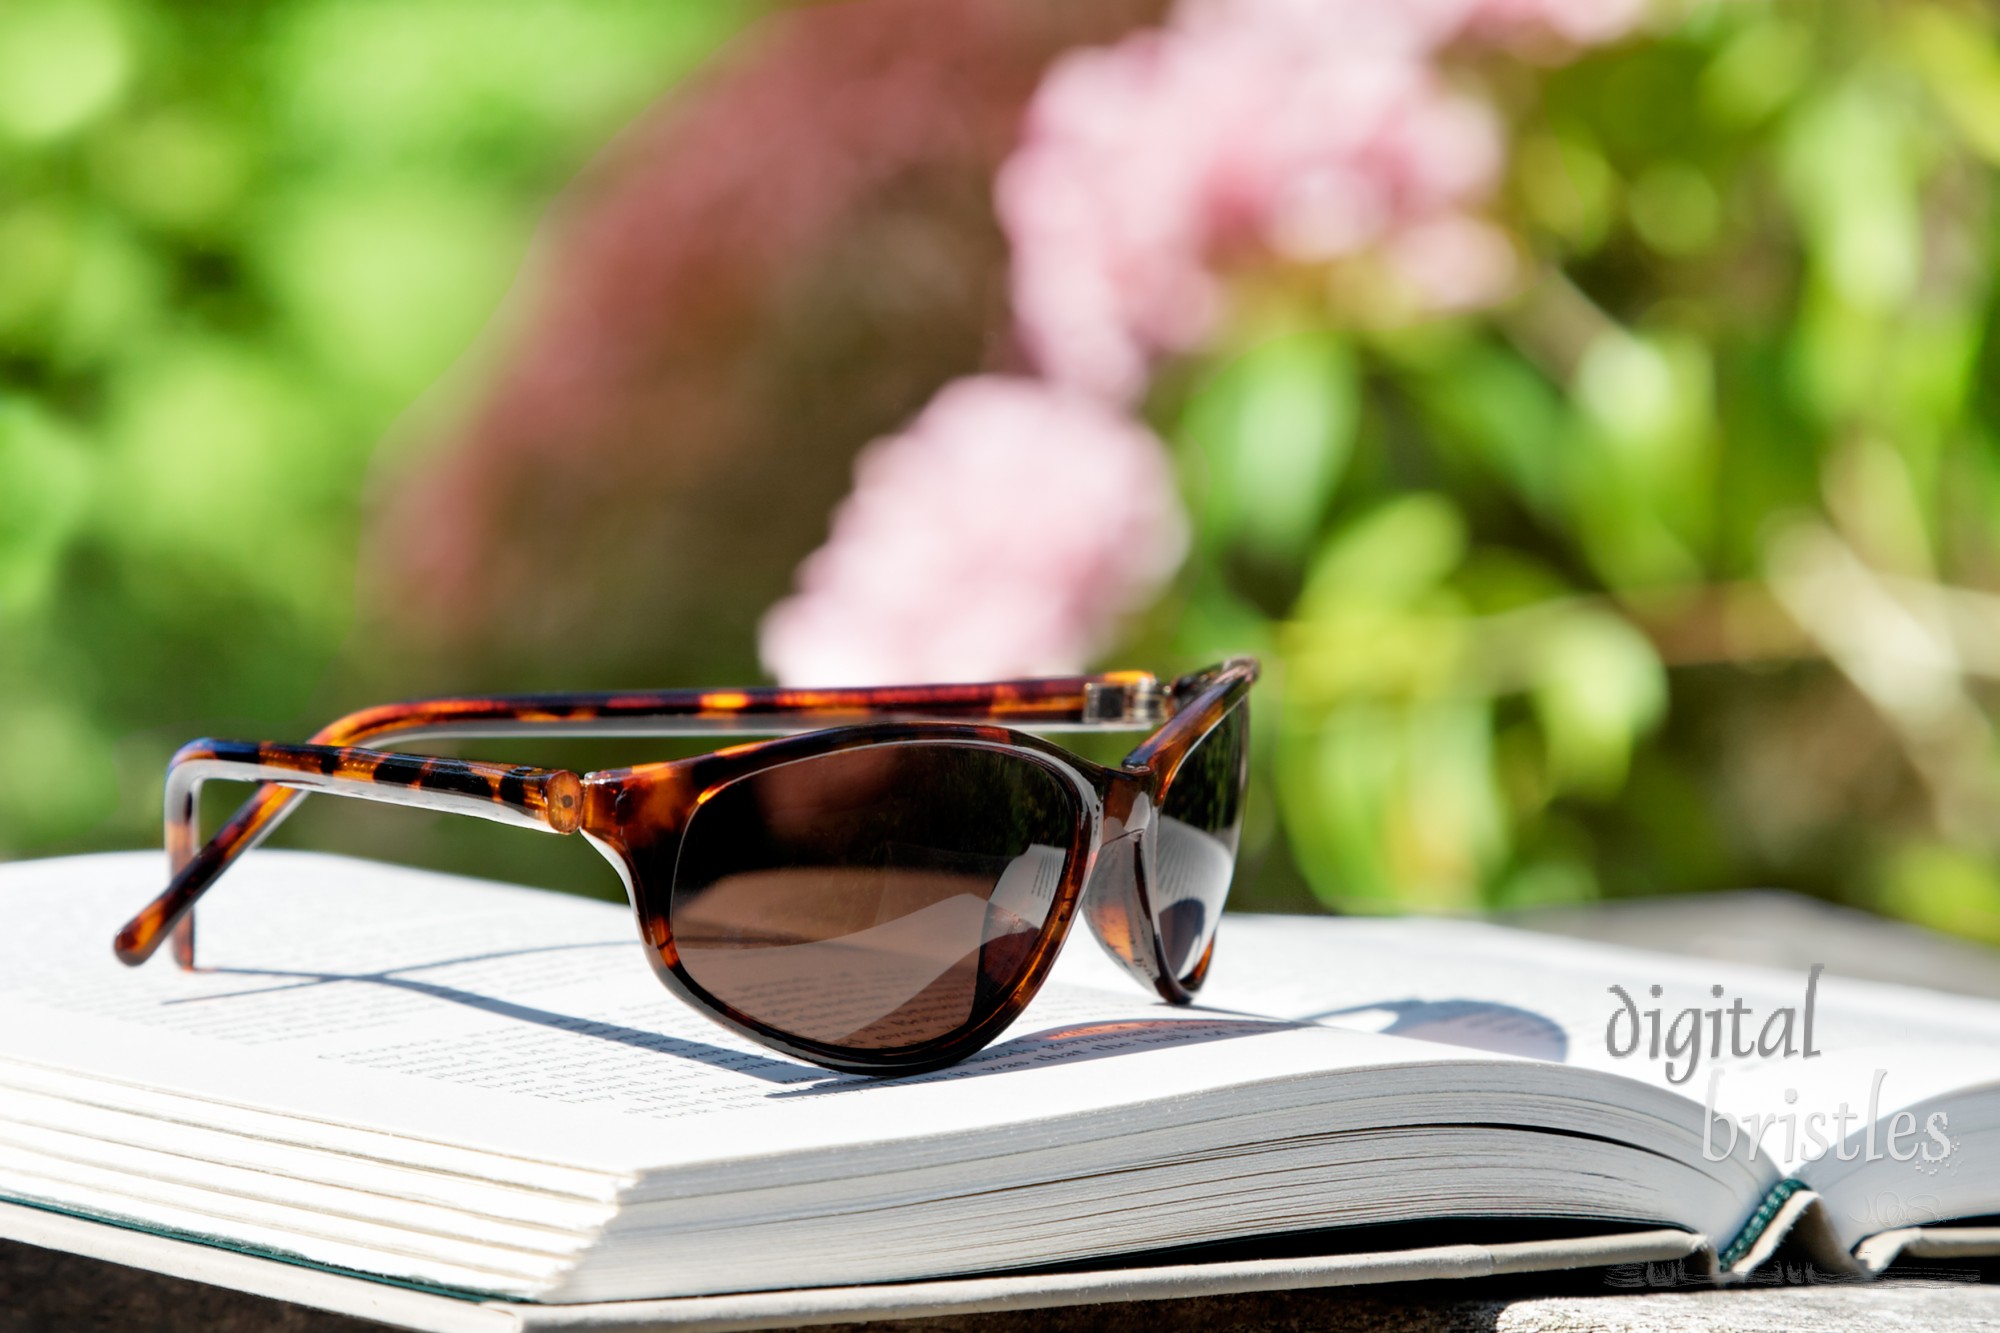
482	1089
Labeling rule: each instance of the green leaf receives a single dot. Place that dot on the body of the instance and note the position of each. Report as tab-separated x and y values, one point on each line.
183	169
1480	398
63	63
1272	431
1761	69
1389	556
1944	887
429	80
38	247
60	734
1641	457
1395	806
45	482
1599	687
217	455
1960	63
1567	186
1674	208
389	281
1851	168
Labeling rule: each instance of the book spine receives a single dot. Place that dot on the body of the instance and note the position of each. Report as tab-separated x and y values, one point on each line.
1773	1204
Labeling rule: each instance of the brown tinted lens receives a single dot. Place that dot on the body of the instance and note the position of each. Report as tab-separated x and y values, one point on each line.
876	898
1195	841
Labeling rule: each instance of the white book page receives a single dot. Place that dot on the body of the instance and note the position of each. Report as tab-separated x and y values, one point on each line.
526	1023
516	1038
474	989
1542	997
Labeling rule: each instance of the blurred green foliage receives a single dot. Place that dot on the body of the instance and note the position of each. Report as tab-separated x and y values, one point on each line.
1677	571
236	244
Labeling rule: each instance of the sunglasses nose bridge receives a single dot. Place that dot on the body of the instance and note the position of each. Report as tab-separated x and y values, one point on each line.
1114	898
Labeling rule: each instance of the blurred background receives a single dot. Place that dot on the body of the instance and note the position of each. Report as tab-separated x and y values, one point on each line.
1588	412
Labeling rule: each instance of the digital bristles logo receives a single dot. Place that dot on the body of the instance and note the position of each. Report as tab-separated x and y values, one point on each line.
1784	1033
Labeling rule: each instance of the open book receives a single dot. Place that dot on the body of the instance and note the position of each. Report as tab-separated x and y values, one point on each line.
479	1089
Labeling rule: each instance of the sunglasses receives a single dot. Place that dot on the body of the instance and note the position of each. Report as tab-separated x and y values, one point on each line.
884	895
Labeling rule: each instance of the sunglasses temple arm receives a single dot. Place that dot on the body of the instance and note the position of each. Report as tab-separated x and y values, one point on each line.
540	798
1111	701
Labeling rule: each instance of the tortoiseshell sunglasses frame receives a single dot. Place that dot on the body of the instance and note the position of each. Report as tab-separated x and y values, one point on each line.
629	813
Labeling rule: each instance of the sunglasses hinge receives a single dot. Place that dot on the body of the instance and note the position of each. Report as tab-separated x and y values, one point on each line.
1133	703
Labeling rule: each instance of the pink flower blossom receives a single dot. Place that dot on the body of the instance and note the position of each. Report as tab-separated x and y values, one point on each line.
1005	532
1012	525
1573	23
1306	131
1300	130
1453	263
